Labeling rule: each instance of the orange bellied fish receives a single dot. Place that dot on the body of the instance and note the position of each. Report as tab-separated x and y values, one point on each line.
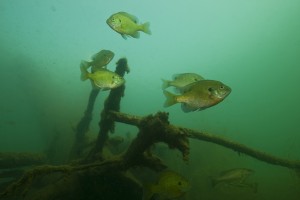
199	95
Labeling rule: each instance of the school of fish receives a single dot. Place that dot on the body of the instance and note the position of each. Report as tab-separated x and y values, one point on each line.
193	92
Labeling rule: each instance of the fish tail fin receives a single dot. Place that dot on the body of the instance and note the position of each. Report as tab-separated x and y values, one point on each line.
84	73
85	64
165	84
146	28
170	99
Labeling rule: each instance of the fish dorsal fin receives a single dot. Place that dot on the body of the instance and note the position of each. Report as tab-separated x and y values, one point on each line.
175	76
95	56
197	77
132	17
187	88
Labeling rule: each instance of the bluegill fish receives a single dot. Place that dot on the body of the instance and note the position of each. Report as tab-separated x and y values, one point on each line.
199	95
103	79
181	80
127	25
99	60
170	185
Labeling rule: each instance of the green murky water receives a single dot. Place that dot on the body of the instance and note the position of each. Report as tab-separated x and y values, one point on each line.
252	46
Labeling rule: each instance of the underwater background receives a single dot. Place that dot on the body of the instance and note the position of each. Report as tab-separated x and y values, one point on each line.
251	46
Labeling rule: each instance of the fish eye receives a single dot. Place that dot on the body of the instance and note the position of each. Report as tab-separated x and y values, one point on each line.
222	87
195	79
179	183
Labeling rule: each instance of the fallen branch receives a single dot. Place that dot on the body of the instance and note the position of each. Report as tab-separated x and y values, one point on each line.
14	160
154	128
83	126
240	148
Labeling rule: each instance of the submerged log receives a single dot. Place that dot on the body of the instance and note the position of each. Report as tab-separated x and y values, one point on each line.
152	129
15	160
83	126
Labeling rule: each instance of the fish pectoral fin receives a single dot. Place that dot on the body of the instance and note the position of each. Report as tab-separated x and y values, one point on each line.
98	84
124	36
186	108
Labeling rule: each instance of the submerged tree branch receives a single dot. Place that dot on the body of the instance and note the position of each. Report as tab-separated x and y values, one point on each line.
152	129
240	148
14	160
83	126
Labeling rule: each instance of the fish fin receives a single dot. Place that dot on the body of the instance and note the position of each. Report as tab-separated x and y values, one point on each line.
178	90
127	69
187	88
165	84
98	84
84	73
186	108
175	76
124	36
94	87
130	16
105	89
85	64
146	28
136	35
170	99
